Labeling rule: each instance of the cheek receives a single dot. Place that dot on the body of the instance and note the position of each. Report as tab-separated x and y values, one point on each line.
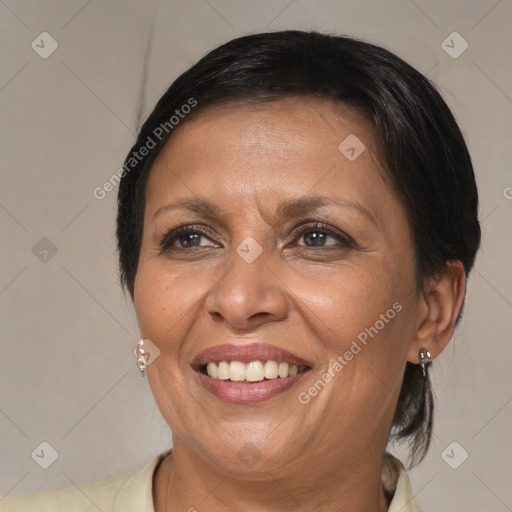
169	302
345	302
358	315
361	317
159	302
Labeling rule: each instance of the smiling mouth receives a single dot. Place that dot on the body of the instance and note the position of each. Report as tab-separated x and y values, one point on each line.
251	372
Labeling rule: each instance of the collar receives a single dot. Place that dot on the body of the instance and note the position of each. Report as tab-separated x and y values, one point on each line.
396	484
136	493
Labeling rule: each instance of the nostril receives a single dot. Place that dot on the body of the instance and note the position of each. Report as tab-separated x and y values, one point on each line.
258	315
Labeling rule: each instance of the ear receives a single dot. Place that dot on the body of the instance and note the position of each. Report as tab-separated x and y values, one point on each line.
441	303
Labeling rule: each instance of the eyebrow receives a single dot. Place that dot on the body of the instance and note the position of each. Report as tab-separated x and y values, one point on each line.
285	208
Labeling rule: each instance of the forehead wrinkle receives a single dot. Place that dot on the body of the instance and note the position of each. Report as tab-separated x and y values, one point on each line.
306	204
286	208
194	204
263	211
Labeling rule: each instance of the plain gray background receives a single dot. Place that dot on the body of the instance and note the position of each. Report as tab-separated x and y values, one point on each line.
68	375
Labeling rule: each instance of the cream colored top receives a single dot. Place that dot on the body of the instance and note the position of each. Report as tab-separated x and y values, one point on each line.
133	492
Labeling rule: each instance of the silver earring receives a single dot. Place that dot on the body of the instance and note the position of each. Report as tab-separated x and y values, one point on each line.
141	358
425	360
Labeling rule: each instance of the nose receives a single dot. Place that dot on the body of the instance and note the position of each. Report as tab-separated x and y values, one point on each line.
248	294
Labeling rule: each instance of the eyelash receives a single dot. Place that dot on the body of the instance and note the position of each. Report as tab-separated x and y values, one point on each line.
165	242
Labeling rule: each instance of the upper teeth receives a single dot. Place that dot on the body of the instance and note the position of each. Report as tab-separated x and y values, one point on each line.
254	371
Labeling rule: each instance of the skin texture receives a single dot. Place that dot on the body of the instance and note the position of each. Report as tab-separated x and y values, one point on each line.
312	300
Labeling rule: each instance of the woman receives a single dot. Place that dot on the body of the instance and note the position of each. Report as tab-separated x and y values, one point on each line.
296	224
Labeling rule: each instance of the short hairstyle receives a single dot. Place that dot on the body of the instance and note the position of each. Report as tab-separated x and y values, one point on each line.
417	137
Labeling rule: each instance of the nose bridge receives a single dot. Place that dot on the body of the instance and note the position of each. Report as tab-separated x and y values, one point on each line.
248	288
247	266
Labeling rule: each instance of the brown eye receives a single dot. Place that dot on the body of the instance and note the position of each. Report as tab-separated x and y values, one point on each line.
190	239
183	238
316	237
319	235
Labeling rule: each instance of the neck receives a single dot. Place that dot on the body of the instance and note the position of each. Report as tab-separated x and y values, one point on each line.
187	481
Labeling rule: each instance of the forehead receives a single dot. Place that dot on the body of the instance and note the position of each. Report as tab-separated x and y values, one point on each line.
285	147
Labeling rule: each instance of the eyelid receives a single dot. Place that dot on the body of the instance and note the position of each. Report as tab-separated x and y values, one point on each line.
170	235
322	226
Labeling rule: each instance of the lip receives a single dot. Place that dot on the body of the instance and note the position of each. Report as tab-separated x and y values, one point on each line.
246	353
247	393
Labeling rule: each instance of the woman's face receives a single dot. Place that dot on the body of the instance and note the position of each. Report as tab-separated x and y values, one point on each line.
258	280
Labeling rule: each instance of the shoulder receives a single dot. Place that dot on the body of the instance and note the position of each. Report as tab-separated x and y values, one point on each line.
129	491
99	495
